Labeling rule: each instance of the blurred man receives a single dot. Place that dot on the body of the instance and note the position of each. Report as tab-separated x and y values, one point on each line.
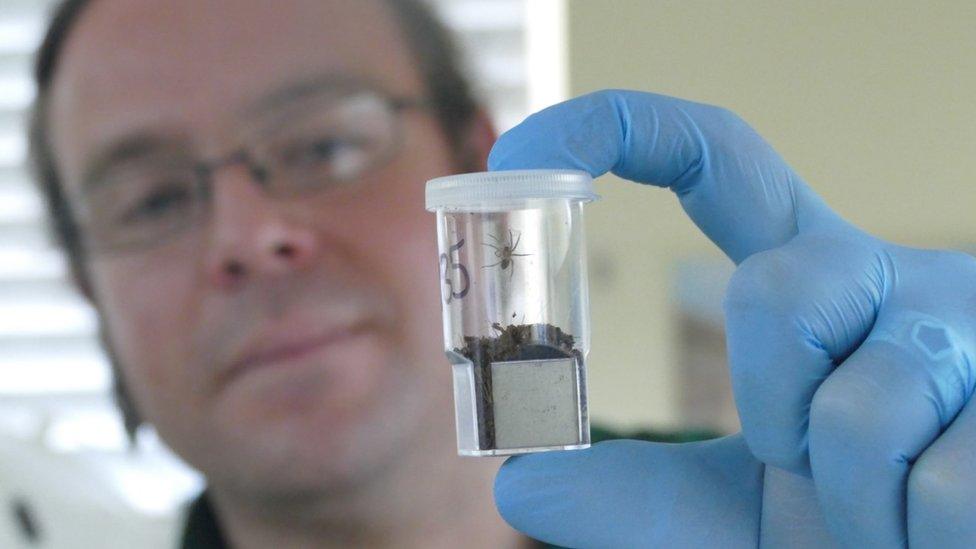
239	186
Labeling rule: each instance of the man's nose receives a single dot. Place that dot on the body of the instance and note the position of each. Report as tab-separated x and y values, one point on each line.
251	237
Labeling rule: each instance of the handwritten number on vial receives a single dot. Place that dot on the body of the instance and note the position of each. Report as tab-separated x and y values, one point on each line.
449	264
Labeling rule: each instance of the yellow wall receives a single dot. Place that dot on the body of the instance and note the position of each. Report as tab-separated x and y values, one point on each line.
873	103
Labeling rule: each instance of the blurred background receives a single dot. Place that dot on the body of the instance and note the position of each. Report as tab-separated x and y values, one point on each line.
873	107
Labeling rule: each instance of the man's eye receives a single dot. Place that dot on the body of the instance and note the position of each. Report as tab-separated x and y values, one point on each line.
323	152
158	203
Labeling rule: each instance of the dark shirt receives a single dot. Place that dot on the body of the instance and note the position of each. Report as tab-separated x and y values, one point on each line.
202	530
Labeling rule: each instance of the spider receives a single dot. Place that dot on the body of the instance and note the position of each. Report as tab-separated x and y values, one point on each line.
505	251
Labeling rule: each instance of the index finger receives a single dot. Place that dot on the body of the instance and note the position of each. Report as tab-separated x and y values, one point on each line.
731	183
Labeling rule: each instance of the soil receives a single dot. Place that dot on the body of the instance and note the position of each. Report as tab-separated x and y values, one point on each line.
513	342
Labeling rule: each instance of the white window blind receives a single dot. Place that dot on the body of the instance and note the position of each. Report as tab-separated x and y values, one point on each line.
492	38
47	332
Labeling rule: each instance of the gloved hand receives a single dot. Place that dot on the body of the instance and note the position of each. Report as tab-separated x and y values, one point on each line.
852	360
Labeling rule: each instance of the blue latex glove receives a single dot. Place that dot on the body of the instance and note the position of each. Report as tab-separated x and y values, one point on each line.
851	360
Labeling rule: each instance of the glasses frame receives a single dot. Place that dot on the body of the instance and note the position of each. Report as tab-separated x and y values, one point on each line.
205	170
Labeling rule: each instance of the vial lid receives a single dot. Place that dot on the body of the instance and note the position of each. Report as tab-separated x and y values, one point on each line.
501	187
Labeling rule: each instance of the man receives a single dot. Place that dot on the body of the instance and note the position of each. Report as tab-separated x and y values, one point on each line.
275	314
241	215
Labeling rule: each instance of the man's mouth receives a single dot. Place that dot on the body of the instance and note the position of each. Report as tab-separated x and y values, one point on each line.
282	351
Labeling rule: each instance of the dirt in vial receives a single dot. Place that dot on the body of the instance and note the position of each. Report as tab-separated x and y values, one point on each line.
513	342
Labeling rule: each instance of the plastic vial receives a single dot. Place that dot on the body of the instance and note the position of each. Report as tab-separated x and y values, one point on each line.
516	307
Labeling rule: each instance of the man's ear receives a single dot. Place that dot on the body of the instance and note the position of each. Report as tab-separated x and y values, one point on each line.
131	418
79	280
123	398
478	139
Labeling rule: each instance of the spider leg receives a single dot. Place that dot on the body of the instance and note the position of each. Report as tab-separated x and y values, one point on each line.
495	238
519	255
490	246
517	242
510	238
492	265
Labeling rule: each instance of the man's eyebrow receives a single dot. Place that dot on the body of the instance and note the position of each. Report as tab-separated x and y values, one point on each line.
136	146
332	84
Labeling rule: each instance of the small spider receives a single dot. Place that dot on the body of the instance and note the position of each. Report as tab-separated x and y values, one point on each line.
505	251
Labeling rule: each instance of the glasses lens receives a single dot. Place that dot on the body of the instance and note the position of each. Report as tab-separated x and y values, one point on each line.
333	143
140	206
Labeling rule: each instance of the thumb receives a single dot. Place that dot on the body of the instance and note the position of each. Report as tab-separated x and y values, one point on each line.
628	493
729	180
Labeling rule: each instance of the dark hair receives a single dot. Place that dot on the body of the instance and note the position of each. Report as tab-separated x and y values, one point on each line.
429	41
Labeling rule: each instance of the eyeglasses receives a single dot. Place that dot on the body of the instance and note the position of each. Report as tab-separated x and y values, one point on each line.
320	144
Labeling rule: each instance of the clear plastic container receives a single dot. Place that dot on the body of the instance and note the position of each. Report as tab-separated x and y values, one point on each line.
516	307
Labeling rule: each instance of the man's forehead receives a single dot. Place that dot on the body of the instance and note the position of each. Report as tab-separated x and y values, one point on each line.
131	65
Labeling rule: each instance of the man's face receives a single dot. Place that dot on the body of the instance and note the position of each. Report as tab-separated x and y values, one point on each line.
280	343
